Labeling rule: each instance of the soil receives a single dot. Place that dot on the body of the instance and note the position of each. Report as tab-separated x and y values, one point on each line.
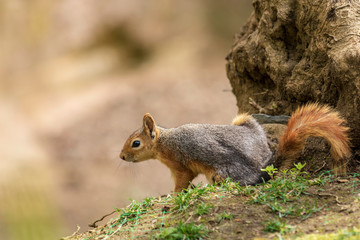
338	201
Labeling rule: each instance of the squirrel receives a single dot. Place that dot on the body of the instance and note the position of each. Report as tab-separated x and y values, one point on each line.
238	151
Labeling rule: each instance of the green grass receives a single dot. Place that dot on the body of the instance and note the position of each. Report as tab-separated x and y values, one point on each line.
276	225
281	194
225	216
188	197
203	209
290	196
134	210
189	231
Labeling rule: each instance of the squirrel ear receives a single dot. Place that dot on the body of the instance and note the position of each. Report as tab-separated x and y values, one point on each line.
149	125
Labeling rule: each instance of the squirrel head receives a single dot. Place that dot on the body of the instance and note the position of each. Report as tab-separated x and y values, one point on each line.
138	147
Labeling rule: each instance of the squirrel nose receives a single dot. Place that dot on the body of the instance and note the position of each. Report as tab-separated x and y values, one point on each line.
122	156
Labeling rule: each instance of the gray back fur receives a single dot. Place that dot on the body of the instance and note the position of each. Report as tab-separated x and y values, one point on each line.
238	152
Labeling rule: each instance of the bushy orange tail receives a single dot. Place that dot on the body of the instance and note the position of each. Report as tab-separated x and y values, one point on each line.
317	121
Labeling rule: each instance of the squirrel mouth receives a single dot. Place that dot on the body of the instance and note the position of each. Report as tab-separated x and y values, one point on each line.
127	158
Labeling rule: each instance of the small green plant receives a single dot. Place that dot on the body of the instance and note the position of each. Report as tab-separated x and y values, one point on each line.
303	210
187	197
130	214
297	171
249	190
182	200
276	225
307	209
271	170
134	210
287	186
299	166
203	208
281	209
228	185
317	181
189	231
282	192
225	216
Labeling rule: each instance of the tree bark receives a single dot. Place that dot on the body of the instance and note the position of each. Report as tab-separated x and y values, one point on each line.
295	51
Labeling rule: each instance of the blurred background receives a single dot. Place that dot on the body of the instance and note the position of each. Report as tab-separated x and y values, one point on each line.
76	78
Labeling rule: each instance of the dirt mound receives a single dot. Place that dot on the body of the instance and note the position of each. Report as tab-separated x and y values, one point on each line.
293	52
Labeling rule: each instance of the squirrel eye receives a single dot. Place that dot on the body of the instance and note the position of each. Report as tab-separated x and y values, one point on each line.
135	144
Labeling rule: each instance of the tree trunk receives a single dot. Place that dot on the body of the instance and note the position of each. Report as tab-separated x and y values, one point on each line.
295	51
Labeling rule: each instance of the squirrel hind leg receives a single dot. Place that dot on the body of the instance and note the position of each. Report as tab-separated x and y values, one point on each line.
339	168
340	156
338	164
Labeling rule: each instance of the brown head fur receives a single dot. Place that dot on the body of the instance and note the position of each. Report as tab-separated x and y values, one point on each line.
144	144
139	146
